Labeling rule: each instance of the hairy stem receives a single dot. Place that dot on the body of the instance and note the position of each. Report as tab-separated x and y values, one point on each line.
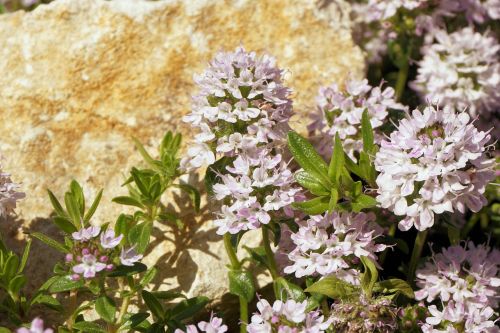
73	298
235	264
123	309
269	253
415	255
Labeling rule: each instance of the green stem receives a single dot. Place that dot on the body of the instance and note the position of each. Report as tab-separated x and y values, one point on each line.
123	309
231	253
415	255
235	264
269	253
243	315
73	294
401	80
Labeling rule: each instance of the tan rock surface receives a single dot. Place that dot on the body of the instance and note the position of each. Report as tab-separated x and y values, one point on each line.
79	78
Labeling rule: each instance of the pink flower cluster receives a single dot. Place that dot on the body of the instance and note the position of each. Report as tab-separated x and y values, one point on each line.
256	188
466	282
243	111
340	111
333	244
215	325
461	70
8	194
91	255
287	317
242	103
435	162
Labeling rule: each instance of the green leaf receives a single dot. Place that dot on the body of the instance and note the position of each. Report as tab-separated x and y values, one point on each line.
64	224
11	267
363	201
306	180
106	308
453	235
314	206
73	210
56	204
50	242
283	288
337	161
167	295
334	198
64	283
187	308
366	167
193	194
139	235
333	288
308	158
145	155
123	270
153	305
258	255
135	320
139	181
128	201
93	207
148	276
16	284
367	133
4	329
24	258
394	285
77	192
241	284
89	327
48	301
369	276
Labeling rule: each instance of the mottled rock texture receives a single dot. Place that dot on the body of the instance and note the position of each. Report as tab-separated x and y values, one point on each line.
79	78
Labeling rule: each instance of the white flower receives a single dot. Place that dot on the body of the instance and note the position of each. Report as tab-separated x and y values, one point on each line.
340	112
461	70
465	280
129	256
332	244
89	266
434	162
86	234
108	239
36	327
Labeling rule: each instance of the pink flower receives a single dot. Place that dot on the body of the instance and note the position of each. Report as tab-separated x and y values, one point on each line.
89	266
86	234
129	256
108	239
36	327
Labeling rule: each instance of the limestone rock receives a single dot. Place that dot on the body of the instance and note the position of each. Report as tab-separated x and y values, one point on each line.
80	78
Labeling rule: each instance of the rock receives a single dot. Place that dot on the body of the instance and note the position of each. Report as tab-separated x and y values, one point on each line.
80	78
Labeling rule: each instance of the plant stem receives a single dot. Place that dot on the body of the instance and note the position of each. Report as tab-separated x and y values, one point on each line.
401	80
73	294
415	255
391	232
243	315
235	264
269	253
123	309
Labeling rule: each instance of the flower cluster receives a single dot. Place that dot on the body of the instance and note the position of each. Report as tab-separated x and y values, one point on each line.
8	194
462	70
257	186
215	325
242	103
341	111
333	244
95	251
377	10
479	11
466	282
364	315
286	317
36	327
434	162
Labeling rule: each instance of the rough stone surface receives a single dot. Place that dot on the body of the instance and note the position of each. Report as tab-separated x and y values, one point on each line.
79	78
